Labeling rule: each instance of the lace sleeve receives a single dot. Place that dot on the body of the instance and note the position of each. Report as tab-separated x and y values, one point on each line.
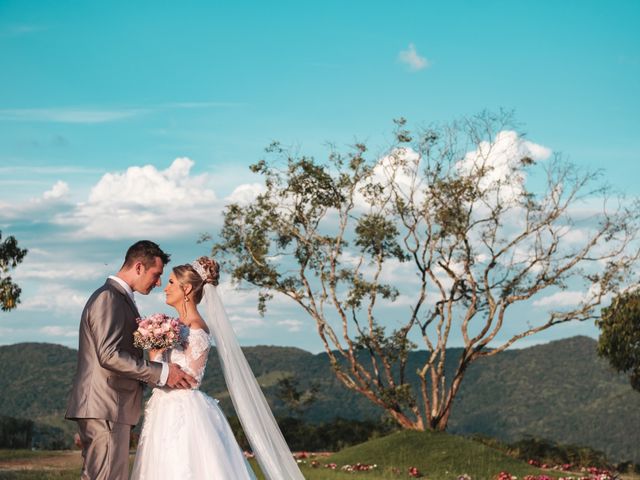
196	353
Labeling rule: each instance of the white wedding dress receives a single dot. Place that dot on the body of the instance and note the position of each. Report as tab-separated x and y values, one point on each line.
185	434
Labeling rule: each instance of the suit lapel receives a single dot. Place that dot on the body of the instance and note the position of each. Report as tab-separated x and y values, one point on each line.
126	296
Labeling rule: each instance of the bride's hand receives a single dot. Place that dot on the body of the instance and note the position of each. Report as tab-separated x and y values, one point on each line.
156	354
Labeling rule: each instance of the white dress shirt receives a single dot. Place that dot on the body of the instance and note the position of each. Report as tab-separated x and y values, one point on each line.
165	367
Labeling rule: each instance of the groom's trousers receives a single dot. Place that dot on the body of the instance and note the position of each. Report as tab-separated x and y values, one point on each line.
105	449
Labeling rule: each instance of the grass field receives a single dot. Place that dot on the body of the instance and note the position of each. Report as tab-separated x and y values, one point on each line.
437	456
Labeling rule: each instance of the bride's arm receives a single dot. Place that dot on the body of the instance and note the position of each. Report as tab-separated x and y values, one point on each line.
196	355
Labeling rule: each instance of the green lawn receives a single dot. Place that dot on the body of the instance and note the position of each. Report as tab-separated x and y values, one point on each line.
438	456
36	465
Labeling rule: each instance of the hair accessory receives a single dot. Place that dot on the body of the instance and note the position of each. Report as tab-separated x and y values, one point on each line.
200	269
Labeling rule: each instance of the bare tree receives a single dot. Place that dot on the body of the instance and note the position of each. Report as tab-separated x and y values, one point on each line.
476	220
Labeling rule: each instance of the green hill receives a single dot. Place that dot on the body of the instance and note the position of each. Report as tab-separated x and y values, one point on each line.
436	455
560	391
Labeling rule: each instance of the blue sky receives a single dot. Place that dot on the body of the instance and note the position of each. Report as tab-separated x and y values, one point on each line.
91	90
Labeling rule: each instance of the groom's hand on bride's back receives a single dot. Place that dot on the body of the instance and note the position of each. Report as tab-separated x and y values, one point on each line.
178	378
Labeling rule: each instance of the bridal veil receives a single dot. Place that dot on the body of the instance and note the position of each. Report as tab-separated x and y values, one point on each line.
262	431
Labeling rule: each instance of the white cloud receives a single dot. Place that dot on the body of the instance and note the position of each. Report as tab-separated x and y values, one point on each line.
89	115
397	167
396	272
402	300
576	236
69	115
291	325
43	206
146	202
500	157
58	331
560	299
394	168
233	297
412	59
245	193
59	190
57	298
74	271
149	187
245	326
402	166
41	264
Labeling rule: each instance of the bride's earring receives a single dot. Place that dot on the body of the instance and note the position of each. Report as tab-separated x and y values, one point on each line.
184	305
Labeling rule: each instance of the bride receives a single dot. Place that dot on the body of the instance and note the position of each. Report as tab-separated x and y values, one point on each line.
185	434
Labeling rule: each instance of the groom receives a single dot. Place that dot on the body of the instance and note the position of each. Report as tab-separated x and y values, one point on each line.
106	395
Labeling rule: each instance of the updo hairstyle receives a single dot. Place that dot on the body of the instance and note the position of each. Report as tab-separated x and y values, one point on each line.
187	275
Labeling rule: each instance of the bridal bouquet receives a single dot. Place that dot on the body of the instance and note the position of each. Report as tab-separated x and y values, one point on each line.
157	331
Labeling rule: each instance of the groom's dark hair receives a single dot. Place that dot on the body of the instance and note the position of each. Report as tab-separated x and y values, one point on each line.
144	251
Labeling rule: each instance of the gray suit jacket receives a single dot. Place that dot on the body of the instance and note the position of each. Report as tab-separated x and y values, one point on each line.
110	372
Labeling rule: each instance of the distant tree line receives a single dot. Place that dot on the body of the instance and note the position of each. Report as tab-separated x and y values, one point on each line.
540	451
17	433
323	437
